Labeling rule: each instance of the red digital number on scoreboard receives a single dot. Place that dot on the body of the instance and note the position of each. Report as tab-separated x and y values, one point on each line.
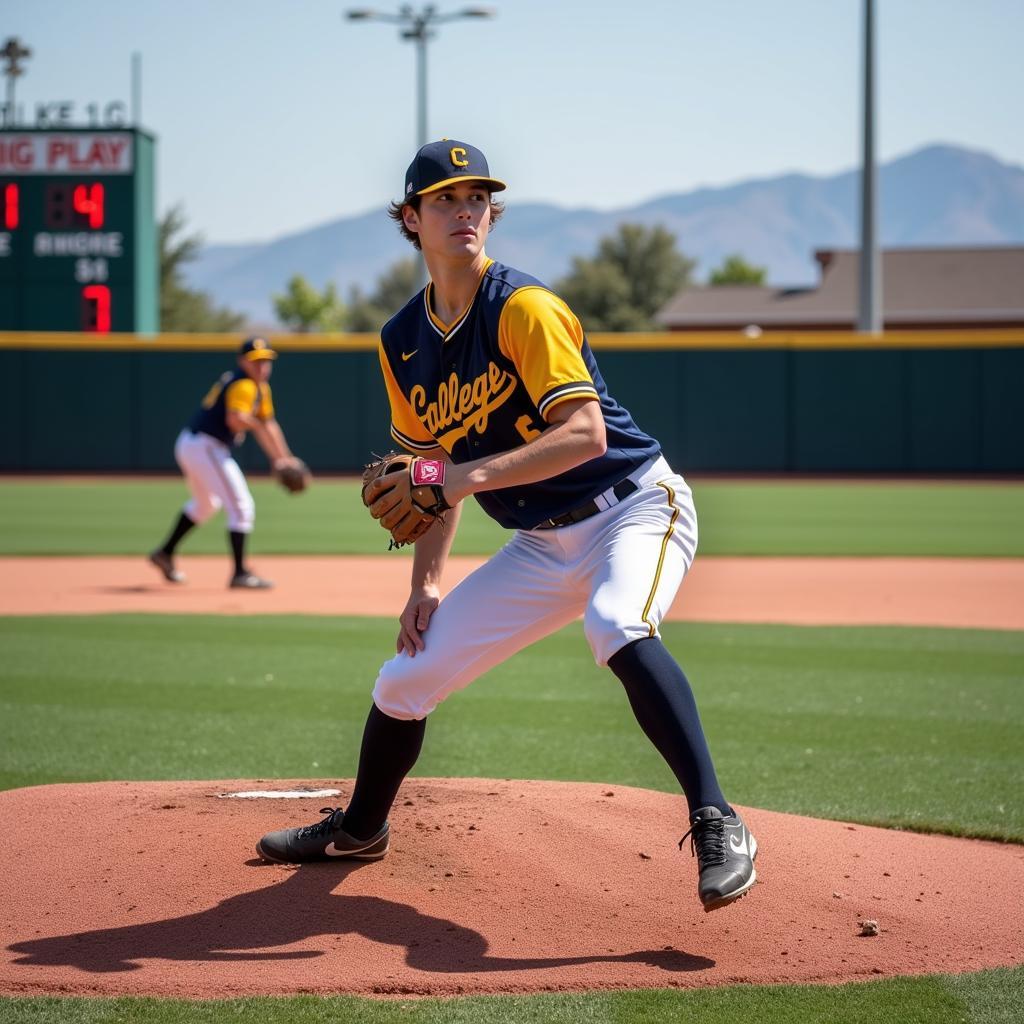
88	203
96	309
75	206
10	207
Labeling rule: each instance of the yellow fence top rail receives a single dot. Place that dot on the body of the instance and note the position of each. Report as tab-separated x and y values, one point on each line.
669	340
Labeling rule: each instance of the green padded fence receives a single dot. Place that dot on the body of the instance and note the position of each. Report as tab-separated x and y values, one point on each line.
935	402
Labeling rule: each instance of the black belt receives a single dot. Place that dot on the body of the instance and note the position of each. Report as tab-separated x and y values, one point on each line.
622	490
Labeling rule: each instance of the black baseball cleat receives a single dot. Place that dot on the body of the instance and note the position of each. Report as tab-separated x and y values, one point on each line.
249	581
725	850
326	840
165	563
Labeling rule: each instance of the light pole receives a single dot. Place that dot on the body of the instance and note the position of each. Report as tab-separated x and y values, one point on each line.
14	53
418	26
870	319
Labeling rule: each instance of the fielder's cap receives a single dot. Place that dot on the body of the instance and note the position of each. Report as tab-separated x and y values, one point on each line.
256	348
443	163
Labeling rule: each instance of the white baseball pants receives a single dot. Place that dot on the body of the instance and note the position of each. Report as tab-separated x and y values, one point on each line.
620	569
215	480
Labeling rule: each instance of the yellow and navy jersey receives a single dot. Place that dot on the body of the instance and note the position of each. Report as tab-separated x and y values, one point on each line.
234	391
488	382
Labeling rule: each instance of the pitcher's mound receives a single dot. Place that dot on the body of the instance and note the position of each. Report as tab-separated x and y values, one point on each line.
154	888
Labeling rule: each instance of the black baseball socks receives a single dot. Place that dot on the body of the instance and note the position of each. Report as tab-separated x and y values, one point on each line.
663	703
238	550
181	527
389	751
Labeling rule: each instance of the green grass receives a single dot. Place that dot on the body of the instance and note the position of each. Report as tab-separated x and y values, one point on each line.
988	997
900	727
906	727
123	516
913	728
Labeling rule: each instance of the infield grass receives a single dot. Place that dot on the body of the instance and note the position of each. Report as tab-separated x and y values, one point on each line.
800	517
987	997
910	728
901	727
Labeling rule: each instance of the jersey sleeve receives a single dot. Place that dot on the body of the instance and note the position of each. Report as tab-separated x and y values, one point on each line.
266	409
543	337
406	428
241	396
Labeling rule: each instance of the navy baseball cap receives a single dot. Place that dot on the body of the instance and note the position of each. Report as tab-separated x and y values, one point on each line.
256	348
442	163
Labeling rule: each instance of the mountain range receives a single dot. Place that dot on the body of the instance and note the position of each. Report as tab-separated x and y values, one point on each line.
940	195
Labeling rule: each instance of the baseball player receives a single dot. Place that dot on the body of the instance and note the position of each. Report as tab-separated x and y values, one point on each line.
491	380
238	403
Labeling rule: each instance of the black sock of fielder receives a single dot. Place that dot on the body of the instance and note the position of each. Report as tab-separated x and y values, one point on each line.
238	550
663	703
181	527
390	749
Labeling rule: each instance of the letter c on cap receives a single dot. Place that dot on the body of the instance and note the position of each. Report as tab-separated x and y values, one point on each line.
456	151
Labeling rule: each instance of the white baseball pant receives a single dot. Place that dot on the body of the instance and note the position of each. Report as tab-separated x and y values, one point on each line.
620	569
215	480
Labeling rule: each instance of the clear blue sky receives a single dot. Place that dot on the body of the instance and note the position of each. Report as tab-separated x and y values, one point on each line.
276	115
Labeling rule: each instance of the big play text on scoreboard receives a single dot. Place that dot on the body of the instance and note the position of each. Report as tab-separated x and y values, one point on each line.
78	238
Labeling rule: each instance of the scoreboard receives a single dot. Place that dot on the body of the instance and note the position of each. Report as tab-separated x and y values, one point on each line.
78	236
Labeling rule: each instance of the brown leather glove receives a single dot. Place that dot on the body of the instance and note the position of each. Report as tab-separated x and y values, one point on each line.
293	475
409	497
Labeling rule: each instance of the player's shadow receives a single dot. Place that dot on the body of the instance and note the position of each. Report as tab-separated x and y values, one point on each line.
249	926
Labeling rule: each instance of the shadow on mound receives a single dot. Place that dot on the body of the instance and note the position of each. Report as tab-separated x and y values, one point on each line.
250	928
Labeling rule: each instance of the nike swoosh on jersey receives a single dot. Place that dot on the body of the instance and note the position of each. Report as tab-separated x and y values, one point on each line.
406	356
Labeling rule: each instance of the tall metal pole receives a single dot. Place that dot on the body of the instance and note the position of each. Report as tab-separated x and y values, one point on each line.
137	90
421	129
421	36
13	53
416	26
869	317
421	86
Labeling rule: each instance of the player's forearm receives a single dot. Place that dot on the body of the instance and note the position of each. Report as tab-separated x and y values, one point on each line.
273	441
269	436
268	433
431	551
563	446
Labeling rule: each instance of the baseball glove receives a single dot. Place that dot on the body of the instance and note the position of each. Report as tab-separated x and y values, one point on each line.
293	475
413	499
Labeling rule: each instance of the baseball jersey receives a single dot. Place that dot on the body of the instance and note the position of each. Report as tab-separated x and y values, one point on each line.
235	391
488	382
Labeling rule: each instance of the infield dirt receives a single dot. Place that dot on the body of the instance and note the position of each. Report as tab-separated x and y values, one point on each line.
980	593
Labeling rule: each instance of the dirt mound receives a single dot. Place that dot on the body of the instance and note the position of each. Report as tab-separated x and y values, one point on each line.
491	886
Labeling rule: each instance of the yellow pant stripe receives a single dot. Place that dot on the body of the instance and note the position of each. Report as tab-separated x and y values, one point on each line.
661	557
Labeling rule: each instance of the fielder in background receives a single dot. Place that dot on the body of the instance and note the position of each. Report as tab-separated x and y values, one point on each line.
240	402
493	385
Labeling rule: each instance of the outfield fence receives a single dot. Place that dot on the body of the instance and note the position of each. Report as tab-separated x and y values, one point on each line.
835	402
